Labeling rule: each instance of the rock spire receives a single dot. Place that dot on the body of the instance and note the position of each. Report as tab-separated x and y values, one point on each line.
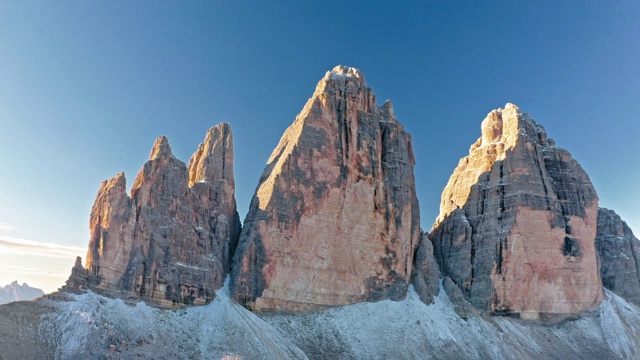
170	243
335	217
517	223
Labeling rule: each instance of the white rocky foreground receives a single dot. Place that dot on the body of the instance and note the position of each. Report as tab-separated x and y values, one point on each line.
92	326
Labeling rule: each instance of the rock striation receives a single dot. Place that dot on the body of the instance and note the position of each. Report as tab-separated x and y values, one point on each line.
619	252
171	241
517	223
335	217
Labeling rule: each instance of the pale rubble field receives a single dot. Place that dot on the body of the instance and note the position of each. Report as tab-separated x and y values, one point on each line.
92	326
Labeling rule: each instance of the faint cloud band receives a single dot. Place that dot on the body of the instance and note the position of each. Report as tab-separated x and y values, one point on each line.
25	270
17	246
6	226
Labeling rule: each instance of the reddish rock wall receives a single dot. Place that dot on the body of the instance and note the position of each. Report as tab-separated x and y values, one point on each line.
170	243
517	223
335	217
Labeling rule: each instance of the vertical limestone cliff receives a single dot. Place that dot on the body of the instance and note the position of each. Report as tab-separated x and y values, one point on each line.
517	223
170	243
619	252
335	217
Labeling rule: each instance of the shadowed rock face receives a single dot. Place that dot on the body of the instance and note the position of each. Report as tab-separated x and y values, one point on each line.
619	252
170	243
426	275
517	223
335	217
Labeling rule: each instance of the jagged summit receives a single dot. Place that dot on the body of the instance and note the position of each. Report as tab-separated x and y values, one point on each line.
507	107
170	242
213	161
502	128
343	88
161	148
341	71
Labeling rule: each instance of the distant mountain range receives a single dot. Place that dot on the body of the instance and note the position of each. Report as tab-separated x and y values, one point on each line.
17	292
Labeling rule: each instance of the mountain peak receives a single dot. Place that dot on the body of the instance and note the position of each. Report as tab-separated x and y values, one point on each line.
504	126
161	148
346	87
511	106
518	199
186	235
345	71
17	292
342	170
213	161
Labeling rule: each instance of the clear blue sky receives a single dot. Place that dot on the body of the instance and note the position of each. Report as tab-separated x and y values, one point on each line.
86	87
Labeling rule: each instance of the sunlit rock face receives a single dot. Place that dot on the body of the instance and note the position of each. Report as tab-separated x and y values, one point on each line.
335	217
517	223
170	243
619	252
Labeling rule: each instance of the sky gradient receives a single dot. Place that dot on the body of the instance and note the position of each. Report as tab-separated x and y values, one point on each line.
86	87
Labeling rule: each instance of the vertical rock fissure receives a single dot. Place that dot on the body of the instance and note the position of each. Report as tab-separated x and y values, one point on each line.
539	156
469	287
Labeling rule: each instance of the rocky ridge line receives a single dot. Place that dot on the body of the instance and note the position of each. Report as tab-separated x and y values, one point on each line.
17	292
170	243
